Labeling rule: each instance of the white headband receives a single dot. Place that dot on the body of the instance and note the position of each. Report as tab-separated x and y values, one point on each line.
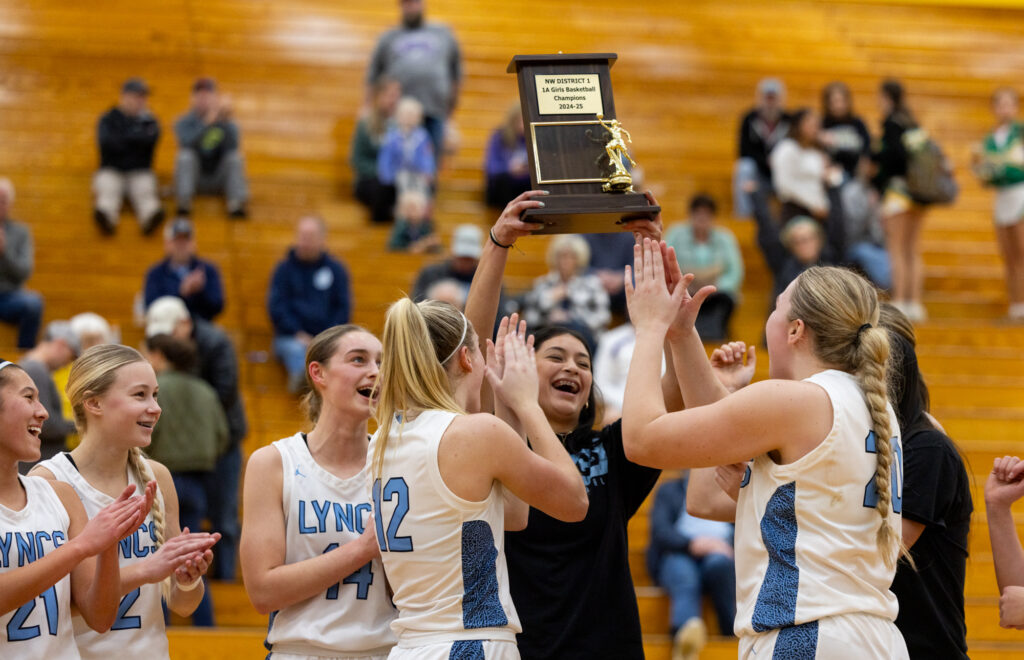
465	327
5	363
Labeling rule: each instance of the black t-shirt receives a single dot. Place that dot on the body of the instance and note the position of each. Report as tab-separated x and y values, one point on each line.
937	494
851	141
570	581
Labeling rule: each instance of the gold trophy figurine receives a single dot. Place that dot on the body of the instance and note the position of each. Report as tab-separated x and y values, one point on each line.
616	149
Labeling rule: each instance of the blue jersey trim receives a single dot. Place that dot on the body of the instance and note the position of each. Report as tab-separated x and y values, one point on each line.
481	605
776	601
797	642
472	649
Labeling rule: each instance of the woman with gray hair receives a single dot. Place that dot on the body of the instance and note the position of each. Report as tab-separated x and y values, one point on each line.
568	296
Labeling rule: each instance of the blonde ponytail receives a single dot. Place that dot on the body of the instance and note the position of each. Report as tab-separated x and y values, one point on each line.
419	340
841	310
139	465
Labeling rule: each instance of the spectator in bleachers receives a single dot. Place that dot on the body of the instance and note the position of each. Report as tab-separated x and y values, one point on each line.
17	257
1000	163
902	217
90	329
760	130
378	197
713	256
413	230
217	364
843	134
406	158
424	58
127	136
191	433
465	254
506	166
800	169
568	296
59	347
181	273
309	293
209	159
449	291
690	557
609	254
791	248
864	235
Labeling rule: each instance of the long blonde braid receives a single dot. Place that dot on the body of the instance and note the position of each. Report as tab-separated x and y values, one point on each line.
841	310
139	465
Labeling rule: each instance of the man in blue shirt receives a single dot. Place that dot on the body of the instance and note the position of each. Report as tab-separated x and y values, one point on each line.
309	293
183	274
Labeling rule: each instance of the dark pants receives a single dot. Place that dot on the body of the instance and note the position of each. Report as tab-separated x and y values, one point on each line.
713	319
25	309
435	127
222	497
192	509
686	578
378	197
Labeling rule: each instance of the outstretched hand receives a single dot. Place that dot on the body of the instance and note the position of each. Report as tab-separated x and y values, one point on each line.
1005	484
651	304
728	367
689	306
515	384
644	228
510	226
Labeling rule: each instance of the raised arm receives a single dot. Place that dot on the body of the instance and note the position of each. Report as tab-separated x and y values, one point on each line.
1005	485
271	583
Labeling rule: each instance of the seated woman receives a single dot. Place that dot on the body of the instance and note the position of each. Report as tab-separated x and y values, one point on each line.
506	166
414	228
567	295
712	255
799	168
376	196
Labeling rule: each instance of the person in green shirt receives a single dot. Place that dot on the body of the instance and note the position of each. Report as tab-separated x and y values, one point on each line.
713	256
999	162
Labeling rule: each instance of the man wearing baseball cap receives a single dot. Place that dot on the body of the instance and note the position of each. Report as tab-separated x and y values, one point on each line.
209	159
181	273
127	136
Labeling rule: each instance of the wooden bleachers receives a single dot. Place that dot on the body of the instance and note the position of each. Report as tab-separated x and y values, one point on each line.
686	71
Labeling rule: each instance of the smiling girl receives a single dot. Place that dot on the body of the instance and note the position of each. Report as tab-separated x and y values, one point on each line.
113	393
309	555
51	553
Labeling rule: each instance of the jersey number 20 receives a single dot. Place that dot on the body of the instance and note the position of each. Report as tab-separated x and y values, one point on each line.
896	470
395	488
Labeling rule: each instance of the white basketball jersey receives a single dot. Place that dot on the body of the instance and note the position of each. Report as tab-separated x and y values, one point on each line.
443	555
41	628
322	512
805	532
139	627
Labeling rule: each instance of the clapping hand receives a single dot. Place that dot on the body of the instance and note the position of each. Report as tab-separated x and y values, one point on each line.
727	364
511	368
117	520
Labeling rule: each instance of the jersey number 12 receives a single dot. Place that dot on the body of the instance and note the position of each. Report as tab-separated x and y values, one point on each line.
394	489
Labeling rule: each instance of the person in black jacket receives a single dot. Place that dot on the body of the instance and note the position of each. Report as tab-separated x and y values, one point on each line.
217	364
761	129
843	133
936	512
903	218
127	136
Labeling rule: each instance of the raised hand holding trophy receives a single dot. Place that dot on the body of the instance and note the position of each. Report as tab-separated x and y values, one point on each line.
577	149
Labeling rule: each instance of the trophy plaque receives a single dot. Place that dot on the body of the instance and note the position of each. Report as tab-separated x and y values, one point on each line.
577	149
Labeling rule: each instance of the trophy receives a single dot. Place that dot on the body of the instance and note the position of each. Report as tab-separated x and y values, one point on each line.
577	149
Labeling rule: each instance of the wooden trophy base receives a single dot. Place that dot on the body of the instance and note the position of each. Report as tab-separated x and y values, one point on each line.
590	213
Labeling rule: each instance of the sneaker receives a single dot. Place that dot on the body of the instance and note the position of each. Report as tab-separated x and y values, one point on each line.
690	640
106	225
239	212
916	312
150	224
